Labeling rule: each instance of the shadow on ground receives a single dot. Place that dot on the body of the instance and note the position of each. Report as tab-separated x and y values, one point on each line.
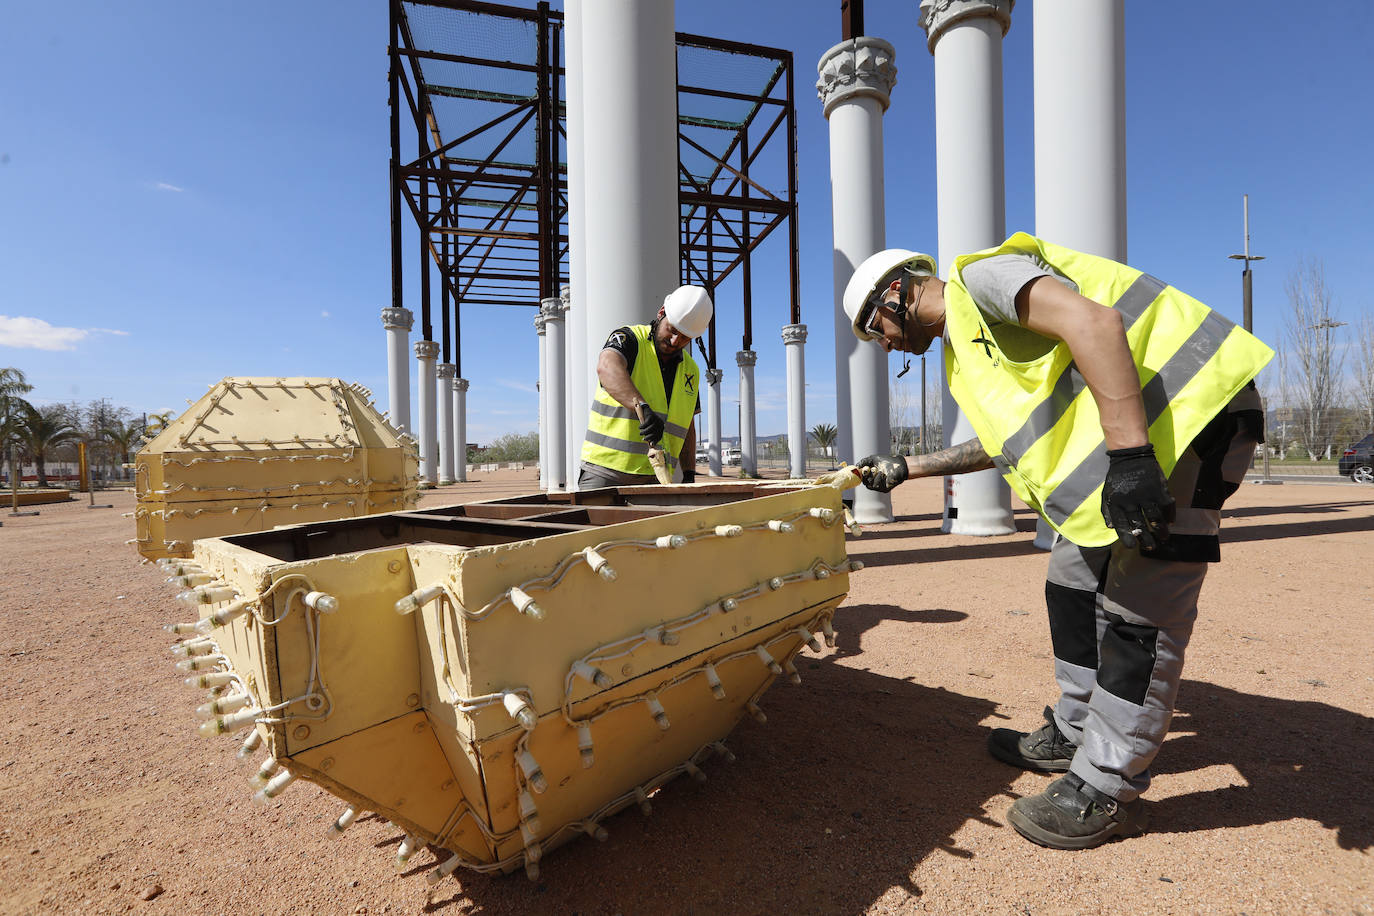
856	778
1290	753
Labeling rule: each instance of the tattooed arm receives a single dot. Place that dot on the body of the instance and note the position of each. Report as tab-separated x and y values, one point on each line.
959	459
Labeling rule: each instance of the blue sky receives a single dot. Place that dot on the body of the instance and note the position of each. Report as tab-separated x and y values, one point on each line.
189	191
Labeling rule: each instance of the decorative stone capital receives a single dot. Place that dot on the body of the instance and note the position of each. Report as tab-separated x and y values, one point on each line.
793	334
861	66
426	349
565	294
540	321
939	16
447	370
460	384
713	376
394	319
551	309
746	358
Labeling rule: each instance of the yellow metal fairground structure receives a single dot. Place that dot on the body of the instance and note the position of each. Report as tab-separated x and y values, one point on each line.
497	678
254	453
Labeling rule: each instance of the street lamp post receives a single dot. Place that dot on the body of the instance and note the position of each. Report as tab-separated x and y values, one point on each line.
1248	318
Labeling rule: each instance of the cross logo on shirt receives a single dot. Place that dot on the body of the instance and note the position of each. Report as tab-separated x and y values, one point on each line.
987	343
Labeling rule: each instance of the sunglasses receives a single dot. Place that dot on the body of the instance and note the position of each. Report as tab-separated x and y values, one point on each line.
873	322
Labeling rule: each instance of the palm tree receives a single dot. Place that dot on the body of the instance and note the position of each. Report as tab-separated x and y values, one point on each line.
121	436
157	422
825	435
12	385
40	431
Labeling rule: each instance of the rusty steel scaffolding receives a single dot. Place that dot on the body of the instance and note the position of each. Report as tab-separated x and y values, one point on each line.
486	177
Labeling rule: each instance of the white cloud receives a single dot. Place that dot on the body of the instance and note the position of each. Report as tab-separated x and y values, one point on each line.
164	186
36	334
324	313
518	386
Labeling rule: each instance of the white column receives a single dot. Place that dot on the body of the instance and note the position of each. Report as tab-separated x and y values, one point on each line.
856	79
794	342
552	311
1080	133
446	373
713	377
540	328
629	167
398	322
460	428
581	372
965	36
426	351
748	448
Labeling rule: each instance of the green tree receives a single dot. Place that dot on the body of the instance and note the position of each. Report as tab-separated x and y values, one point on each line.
12	385
122	437
514	447
825	435
41	430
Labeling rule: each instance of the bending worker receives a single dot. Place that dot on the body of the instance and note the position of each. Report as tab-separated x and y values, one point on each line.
1125	413
648	395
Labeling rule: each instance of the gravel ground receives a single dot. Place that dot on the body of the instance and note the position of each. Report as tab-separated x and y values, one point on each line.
869	790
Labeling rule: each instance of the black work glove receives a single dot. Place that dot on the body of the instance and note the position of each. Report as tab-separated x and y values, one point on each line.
650	425
882	472
1135	497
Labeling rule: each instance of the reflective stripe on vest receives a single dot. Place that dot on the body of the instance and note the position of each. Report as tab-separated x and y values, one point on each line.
612	438
1036	418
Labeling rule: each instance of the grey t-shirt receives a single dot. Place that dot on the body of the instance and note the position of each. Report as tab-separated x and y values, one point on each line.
993	284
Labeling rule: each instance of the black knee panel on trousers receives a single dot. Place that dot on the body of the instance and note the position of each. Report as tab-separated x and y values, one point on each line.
1127	659
1073	624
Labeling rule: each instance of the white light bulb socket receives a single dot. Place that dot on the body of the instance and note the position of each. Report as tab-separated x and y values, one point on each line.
729	531
230	723
642	798
599	564
223	705
584	745
595	831
415	600
193	649
533	774
200	663
724	751
713	679
435	875
275	786
856	565
213	679
809	638
319	601
407	849
191	579
343	822
827	516
757	713
182	629
670	541
265	772
592	675
520	710
767	658
529	811
778	525
791	670
829	630
250	744
694	771
525	604
661	635
658	712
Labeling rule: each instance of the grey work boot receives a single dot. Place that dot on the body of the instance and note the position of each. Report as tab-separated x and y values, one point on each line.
1071	814
1045	749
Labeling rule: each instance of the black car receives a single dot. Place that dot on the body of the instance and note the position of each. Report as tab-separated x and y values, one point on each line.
1358	460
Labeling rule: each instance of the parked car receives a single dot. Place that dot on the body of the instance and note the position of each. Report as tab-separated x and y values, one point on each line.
1358	460
731	455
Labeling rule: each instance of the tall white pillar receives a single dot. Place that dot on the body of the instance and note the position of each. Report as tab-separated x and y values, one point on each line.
748	446
856	80
545	446
446	373
398	322
581	372
552	311
965	36
629	167
794	341
713	377
426	351
1080	133
460	428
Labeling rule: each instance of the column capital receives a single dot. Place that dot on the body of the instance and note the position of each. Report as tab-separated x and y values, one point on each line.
746	358
551	309
460	384
793	334
713	376
861	66
540	321
446	370
426	349
397	319
939	16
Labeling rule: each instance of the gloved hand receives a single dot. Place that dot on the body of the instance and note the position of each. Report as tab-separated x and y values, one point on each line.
882	472
650	425
1135	497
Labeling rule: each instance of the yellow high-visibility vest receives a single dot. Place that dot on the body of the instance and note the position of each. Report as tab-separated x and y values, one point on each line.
1034	414
613	439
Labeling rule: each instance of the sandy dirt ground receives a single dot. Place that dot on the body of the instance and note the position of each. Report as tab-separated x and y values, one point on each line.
868	791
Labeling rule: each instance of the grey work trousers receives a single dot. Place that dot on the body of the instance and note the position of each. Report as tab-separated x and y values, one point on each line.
1120	620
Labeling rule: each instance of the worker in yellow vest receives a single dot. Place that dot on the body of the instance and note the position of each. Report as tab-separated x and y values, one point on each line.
1125	413
648	394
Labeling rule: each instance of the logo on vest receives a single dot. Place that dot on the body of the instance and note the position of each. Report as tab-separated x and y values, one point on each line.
689	382
987	344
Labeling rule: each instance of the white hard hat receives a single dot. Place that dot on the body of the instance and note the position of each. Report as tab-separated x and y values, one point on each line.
876	273
689	309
